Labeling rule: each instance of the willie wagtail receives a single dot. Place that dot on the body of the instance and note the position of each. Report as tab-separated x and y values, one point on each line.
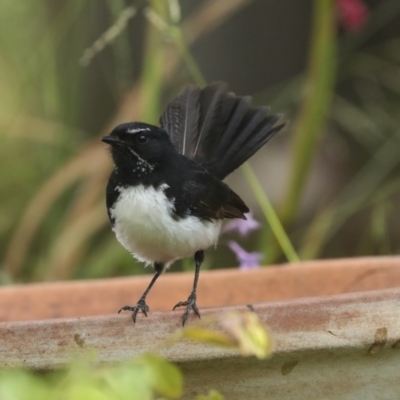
165	197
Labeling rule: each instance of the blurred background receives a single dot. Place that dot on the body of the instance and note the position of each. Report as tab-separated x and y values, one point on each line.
72	70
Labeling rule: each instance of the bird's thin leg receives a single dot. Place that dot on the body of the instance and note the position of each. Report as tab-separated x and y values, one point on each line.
190	303
141	304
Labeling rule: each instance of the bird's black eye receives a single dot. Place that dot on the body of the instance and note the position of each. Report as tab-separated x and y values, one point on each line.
141	139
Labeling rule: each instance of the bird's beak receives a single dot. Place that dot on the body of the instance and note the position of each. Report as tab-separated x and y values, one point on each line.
112	140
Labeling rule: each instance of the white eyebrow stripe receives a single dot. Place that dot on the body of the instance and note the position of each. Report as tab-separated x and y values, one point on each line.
135	130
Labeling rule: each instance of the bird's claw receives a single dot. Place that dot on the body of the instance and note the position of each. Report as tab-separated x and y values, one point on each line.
140	306
190	304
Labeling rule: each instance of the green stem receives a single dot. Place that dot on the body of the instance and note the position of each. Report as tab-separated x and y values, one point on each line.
191	65
316	99
269	213
152	70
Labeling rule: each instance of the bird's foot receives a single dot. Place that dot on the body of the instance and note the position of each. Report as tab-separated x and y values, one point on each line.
140	306
190	304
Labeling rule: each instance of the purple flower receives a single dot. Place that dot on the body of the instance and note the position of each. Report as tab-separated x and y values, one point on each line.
243	226
246	260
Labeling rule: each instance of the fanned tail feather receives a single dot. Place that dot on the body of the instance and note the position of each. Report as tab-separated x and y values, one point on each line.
216	128
256	129
181	119
211	99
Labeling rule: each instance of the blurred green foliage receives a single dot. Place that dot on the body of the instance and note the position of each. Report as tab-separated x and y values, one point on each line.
55	55
147	376
139	379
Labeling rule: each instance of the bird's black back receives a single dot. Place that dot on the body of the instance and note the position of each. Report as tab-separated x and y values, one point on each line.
216	128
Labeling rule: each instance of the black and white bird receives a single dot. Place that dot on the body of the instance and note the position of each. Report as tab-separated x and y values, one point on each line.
165	197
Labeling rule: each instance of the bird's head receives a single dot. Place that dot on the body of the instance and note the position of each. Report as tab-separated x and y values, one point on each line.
137	143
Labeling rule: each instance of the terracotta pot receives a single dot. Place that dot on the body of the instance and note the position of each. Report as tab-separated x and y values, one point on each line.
217	288
329	340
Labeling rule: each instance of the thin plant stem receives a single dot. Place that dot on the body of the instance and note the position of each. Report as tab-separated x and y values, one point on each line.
270	214
152	71
191	65
317	94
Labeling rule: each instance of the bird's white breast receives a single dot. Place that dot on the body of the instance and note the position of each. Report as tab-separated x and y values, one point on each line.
144	225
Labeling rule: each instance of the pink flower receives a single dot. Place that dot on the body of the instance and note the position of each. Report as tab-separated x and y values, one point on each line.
246	260
243	226
353	13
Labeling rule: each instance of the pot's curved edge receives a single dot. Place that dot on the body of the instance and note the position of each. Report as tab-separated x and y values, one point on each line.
366	322
216	288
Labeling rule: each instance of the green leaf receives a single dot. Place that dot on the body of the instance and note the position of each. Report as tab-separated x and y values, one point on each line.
243	330
85	391
212	395
208	336
164	376
129	381
21	385
250	334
